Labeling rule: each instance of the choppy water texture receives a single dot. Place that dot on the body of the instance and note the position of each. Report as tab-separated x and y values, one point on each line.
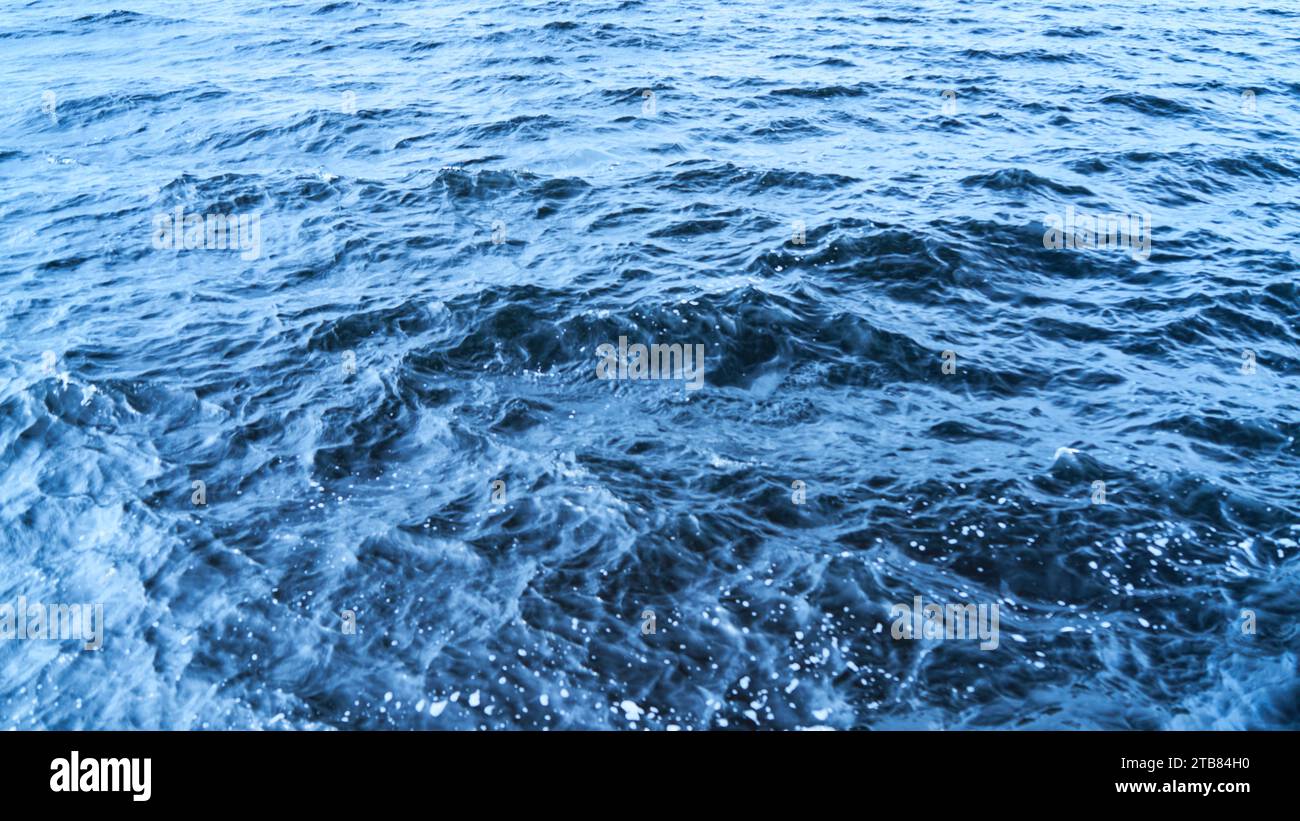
662	220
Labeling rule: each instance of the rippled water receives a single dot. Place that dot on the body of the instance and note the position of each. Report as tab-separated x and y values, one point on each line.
457	203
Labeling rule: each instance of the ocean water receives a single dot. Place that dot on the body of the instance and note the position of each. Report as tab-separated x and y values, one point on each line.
360	470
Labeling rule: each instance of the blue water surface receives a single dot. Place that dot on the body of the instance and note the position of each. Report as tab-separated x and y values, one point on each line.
904	394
